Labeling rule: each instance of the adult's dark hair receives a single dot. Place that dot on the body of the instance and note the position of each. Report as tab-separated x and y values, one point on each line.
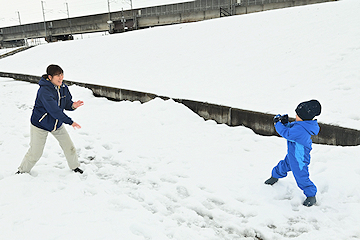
53	70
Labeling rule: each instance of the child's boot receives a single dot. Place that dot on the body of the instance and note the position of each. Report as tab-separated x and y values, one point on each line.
271	181
309	201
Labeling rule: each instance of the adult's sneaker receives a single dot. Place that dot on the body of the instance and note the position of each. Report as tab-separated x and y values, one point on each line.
78	170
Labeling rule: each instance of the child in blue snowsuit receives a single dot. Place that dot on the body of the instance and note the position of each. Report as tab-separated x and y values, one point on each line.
298	135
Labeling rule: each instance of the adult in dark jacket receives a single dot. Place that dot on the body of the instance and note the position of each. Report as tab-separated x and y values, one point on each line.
299	143
53	97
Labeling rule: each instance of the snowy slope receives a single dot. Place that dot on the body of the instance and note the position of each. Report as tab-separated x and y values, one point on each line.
158	171
267	62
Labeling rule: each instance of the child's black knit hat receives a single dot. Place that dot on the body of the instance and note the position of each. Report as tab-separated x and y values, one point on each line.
308	110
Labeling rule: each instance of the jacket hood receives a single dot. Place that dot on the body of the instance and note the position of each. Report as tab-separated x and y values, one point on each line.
45	82
312	126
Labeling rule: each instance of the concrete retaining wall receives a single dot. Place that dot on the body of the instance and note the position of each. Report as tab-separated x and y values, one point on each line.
260	123
15	52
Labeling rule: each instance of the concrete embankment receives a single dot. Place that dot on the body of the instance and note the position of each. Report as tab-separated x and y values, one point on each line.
260	123
13	52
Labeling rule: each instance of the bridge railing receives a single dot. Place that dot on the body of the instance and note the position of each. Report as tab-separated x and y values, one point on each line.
198	5
203	5
62	28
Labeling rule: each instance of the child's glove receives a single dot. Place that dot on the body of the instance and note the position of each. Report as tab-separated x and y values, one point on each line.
277	118
284	119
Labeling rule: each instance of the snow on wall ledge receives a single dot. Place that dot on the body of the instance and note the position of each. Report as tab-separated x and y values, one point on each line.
260	123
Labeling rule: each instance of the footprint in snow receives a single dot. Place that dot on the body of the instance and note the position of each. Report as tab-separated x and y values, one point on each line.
182	192
168	180
83	133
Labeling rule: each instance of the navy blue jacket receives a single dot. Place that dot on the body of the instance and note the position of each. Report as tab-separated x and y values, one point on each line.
50	103
299	141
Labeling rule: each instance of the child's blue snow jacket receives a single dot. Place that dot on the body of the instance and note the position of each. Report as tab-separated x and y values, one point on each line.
299	141
51	100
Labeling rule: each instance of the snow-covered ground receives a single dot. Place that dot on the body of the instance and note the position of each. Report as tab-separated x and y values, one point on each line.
157	170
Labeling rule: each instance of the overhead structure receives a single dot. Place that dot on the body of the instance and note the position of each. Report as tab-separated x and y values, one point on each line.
127	20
